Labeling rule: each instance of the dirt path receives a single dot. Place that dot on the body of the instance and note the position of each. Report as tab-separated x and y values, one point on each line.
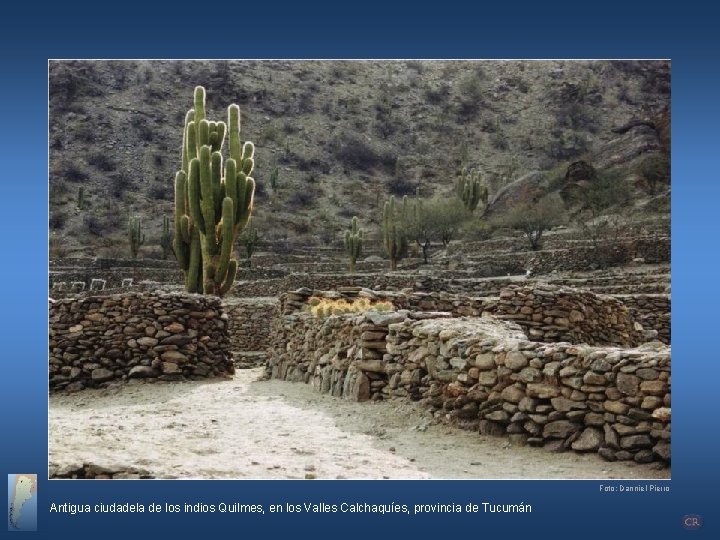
247	428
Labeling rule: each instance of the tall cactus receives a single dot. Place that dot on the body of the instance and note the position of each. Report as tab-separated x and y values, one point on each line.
395	231
166	238
81	198
213	202
353	243
136	237
471	189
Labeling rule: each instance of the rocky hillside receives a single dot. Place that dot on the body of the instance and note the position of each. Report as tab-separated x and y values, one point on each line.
342	135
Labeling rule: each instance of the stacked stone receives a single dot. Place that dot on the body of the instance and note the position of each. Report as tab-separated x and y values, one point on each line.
96	340
458	305
483	374
652	311
249	322
550	313
341	354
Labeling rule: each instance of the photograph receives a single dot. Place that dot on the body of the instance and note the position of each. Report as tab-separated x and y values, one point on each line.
359	269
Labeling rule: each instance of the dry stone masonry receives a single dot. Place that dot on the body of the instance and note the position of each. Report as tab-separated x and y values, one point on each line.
96	340
550	313
484	373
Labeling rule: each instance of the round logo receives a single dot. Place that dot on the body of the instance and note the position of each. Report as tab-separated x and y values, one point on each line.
692	521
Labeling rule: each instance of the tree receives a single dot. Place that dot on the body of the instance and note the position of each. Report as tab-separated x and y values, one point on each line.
436	220
603	203
534	219
655	172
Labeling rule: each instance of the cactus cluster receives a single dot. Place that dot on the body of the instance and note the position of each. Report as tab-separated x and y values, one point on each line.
213	201
395	223
471	189
353	243
136	237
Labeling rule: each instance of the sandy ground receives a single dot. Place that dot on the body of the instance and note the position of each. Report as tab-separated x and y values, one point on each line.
249	428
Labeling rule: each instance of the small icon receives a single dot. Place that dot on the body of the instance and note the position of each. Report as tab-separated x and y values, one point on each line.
692	522
22	502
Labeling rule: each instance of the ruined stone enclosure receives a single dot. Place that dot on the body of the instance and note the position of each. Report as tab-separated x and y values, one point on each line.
575	362
523	369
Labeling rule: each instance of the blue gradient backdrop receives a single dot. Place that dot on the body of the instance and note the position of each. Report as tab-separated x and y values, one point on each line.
371	29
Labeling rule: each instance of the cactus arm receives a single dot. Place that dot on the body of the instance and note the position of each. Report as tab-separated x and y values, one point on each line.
191	149
207	204
234	133
194	195
227	226
216	170
229	278
192	278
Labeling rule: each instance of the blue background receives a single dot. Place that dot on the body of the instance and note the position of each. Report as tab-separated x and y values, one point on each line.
687	34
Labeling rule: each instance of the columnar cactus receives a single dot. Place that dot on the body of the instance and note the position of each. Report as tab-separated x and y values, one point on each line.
274	178
353	243
395	231
135	236
81	198
249	238
213	202
166	238
471	189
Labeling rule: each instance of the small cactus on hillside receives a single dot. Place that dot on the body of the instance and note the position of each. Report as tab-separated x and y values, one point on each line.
81	198
395	231
274	179
213	201
471	189
136	237
166	238
353	243
249	238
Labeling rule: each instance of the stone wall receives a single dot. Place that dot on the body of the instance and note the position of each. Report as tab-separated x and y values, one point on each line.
250	322
607	400
650	310
550	313
96	340
484	374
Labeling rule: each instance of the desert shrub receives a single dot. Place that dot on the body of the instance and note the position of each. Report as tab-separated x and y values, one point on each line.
437	95
57	219
357	153
470	96
84	133
654	172
93	225
102	161
71	171
260	191
119	183
325	307
400	186
302	198
142	126
161	191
